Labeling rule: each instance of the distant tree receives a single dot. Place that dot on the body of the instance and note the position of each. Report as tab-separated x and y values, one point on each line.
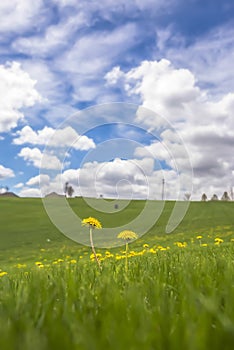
225	196
204	197
214	197
70	191
66	188
187	196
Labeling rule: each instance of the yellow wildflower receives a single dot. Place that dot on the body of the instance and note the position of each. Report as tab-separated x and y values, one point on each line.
127	235
145	245
153	251
21	266
199	237
180	244
218	240
3	273
92	256
119	257
94	223
73	261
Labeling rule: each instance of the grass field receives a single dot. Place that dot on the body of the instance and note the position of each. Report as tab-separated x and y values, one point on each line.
178	292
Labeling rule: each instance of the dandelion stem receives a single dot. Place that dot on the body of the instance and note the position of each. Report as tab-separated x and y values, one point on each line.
126	257
92	246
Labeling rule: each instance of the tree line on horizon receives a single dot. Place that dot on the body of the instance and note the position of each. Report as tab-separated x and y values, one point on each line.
225	197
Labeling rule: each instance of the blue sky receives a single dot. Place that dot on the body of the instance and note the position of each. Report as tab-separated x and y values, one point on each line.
172	60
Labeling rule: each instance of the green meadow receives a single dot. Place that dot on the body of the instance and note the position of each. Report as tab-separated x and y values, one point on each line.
178	291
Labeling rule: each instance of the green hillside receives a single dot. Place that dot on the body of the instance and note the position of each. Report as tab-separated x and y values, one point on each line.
25	225
173	291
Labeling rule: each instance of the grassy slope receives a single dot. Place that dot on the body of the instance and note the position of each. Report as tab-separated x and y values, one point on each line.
178	299
25	226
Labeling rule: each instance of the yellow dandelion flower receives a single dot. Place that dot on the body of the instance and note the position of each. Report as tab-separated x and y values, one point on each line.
199	237
109	254
218	240
21	266
127	235
98	255
38	263
73	261
153	251
94	223
180	244
3	273
119	257
204	245
145	245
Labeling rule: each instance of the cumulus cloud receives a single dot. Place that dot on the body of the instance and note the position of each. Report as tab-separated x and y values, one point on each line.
66	137
204	125
42	179
6	172
30	192
206	56
34	156
118	178
17	90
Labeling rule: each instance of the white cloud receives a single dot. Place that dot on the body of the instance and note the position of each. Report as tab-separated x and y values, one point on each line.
210	56
19	185
6	172
66	137
55	38
123	178
34	156
19	15
41	179
114	75
30	192
84	60
17	91
205	125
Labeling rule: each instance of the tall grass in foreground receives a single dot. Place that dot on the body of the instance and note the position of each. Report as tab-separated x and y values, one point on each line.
177	299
